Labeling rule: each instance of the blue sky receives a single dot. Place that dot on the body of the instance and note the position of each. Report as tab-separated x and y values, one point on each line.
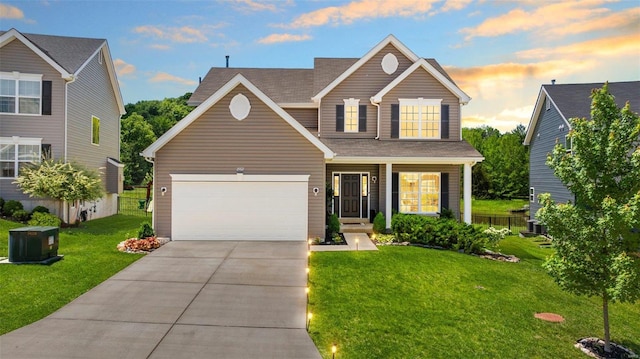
498	52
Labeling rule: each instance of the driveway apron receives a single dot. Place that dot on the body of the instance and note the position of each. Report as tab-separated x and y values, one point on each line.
188	299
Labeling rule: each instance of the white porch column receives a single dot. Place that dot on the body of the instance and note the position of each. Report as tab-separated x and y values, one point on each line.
467	193
387	204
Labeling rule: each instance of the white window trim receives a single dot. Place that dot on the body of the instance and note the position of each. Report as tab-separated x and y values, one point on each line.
352	102
17	141
532	194
418	102
419	194
18	76
91	132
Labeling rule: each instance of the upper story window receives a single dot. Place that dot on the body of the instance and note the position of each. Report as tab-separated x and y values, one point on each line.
16	152
95	130
20	93
420	118
351	115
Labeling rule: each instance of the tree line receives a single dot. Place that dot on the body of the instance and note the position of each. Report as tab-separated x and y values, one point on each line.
504	173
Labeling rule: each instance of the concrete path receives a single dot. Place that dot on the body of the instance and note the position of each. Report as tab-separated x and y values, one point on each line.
363	243
188	299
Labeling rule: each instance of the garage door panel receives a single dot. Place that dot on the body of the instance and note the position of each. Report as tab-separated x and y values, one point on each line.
239	210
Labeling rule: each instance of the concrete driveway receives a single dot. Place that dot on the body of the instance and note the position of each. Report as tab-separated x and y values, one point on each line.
188	299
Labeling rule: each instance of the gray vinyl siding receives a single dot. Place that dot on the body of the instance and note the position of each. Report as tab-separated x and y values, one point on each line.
217	143
420	84
373	187
308	117
365	82
92	95
541	177
454	182
15	56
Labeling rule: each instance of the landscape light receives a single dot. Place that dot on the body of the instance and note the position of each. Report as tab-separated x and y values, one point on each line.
334	349
309	316
357	244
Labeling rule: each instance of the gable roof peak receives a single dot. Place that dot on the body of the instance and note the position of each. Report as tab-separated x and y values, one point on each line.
390	39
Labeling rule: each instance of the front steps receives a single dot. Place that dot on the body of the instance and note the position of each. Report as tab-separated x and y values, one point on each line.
355	225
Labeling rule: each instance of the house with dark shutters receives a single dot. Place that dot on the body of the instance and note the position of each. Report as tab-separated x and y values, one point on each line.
60	98
555	105
268	152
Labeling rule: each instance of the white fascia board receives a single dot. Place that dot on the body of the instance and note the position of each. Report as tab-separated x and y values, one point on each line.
535	116
12	34
463	97
387	40
312	105
179	177
407	160
214	98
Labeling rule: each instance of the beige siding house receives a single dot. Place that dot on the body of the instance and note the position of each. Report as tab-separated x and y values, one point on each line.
59	98
268	153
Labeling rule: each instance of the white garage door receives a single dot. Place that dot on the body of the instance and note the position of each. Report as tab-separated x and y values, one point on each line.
239	207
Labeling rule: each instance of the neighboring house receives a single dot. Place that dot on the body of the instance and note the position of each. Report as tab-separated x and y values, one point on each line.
549	125
255	158
59	97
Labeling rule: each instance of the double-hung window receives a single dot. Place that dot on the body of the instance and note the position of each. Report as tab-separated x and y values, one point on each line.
351	115
16	152
420	118
419	192
20	93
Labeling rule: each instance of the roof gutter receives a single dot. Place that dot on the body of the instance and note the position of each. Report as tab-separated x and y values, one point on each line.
377	118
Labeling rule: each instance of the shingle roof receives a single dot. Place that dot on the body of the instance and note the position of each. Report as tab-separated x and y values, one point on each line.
68	52
328	69
281	85
347	147
574	100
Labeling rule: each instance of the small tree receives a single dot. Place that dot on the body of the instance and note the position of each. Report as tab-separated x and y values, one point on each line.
61	181
595	237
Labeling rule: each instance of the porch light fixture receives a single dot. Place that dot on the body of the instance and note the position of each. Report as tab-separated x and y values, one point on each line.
334	349
374	179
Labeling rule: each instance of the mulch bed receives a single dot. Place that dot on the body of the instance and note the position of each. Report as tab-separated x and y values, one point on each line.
594	347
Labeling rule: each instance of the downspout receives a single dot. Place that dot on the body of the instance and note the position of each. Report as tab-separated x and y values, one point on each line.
319	114
69	80
377	119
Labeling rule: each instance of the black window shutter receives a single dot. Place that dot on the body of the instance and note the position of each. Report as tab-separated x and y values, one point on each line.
444	121
395	120
395	203
339	118
46	97
362	118
46	151
444	191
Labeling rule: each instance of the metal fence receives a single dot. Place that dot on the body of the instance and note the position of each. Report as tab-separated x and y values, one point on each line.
133	206
515	222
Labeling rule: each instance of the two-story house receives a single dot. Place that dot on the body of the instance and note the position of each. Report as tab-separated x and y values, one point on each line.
555	105
59	98
258	156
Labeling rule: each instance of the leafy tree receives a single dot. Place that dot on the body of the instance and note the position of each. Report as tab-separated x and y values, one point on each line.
595	237
61	181
136	135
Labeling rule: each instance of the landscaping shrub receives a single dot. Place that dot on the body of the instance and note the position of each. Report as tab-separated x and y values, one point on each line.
21	215
10	207
334	224
145	231
437	232
44	219
379	223
447	213
40	209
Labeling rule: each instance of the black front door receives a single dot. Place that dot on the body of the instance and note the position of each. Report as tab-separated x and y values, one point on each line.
350	196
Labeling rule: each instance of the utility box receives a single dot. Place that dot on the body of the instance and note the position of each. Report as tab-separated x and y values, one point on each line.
33	244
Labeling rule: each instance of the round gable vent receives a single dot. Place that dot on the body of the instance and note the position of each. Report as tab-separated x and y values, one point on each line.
239	107
389	63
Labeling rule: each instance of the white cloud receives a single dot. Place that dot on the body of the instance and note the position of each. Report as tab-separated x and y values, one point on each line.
276	38
165	77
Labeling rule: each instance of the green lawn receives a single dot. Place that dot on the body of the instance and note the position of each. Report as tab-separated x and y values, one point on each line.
496	206
409	302
30	292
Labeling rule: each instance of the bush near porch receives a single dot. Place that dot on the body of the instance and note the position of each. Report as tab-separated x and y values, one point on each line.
438	232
